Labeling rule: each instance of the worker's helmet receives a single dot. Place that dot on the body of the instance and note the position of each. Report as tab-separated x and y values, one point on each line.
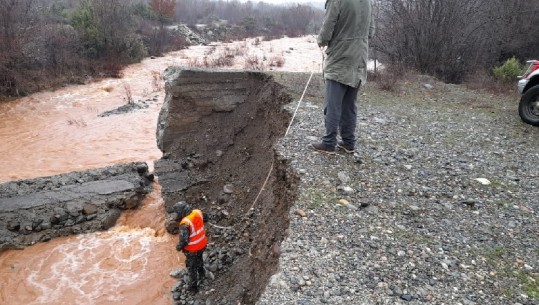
182	208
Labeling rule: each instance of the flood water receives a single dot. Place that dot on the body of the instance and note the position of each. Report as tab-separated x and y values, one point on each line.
49	133
129	264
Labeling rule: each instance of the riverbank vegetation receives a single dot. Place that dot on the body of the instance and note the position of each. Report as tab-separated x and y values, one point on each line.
48	43
456	41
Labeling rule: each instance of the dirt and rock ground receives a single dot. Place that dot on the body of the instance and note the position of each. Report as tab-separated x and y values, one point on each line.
217	131
442	209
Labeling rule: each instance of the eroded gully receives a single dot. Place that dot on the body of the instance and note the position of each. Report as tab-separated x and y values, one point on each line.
50	133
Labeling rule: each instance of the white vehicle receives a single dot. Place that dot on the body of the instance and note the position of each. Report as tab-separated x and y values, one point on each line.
528	85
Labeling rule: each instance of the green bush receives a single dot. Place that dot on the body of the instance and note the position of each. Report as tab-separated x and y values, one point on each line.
143	10
509	71
133	47
92	34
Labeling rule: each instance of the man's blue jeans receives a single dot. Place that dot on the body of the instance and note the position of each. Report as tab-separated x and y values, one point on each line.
340	113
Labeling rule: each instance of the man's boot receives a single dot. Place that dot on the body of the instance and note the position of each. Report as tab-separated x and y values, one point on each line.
193	287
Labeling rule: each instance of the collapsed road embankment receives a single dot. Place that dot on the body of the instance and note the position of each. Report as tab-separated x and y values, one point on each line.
217	131
40	209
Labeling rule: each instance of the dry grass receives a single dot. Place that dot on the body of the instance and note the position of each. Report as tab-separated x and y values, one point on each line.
193	62
237	50
211	50
128	94
276	61
77	122
252	62
270	37
224	60
484	82
157	83
211	62
387	80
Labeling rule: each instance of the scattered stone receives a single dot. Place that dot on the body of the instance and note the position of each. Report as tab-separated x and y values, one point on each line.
380	121
210	275
129	107
346	190
14	226
300	213
228	189
483	181
343	177
178	273
406	297
371	209
351	206
344	201
89	209
364	203
276	249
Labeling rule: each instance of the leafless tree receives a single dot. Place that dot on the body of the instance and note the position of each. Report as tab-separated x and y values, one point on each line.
298	18
443	38
452	38
18	20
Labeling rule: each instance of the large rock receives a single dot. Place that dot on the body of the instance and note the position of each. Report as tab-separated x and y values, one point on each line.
43	208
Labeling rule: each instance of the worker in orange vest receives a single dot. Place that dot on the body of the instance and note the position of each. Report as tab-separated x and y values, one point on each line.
192	242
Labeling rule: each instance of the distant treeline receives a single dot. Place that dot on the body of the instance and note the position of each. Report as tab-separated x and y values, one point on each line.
452	39
47	43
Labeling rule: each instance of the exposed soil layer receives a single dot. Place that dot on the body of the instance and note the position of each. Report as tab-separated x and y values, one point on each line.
217	131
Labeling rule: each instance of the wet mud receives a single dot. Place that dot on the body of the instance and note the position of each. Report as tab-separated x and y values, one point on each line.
217	131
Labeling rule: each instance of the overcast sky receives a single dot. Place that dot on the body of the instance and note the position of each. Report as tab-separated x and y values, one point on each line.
284	1
315	3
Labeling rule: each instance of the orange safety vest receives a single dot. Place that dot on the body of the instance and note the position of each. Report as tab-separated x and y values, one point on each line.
197	237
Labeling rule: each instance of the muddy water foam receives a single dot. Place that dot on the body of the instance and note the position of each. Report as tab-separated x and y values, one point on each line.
128	264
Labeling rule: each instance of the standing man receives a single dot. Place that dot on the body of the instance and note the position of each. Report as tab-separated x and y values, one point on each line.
192	242
348	26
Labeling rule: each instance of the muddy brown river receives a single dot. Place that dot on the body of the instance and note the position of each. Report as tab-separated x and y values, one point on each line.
129	264
50	133
56	132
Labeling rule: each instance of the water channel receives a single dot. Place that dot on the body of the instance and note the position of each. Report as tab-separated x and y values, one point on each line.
56	132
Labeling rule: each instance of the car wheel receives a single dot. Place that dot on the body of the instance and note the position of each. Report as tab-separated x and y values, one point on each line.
528	109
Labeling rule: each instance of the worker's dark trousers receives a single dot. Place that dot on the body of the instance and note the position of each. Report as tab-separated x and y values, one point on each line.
195	267
340	113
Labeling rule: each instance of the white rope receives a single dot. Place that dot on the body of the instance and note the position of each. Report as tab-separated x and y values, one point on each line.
299	103
273	161
285	134
220	227
263	186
